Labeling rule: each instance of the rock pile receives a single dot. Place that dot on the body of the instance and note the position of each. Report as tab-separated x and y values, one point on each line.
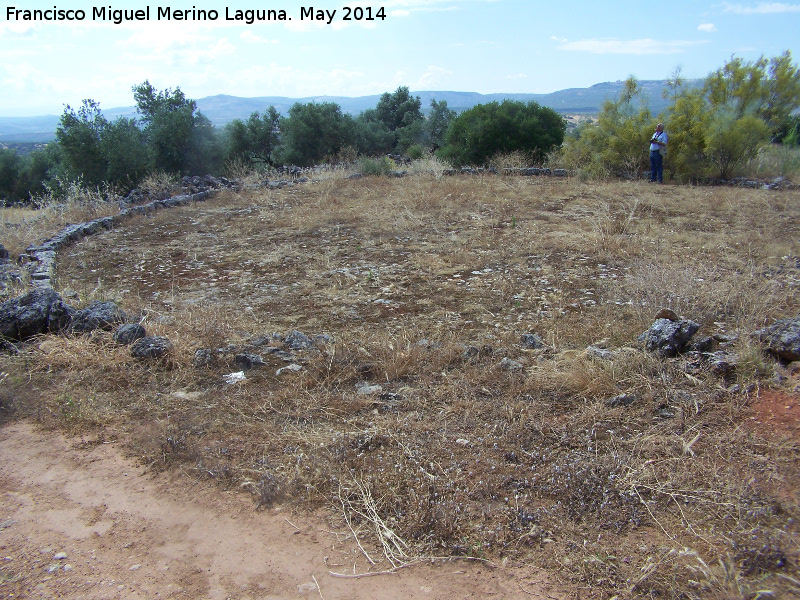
196	185
287	348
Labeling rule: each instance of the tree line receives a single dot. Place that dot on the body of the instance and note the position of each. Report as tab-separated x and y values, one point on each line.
170	135
714	130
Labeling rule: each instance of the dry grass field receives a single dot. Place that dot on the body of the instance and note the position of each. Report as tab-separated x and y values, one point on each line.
473	444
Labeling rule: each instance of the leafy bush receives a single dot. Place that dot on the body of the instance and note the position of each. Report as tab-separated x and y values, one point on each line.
617	144
415	152
488	129
792	137
731	142
375	166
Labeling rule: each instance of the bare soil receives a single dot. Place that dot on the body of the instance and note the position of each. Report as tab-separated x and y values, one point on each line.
79	520
472	445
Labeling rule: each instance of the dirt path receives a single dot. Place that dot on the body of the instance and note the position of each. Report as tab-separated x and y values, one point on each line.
78	520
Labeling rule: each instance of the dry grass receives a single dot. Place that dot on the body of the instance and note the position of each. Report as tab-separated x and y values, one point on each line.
672	496
22	227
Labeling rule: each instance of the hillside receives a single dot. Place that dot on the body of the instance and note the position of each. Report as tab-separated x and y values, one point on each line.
223	108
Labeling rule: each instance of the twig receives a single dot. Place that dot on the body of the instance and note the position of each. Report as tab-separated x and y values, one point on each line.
349	525
292	524
525	591
686	520
672	537
411	564
359	576
393	546
319	589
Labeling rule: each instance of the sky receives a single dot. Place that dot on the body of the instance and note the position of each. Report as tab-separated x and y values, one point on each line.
485	46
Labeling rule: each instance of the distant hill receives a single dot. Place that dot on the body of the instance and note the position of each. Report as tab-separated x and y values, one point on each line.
222	108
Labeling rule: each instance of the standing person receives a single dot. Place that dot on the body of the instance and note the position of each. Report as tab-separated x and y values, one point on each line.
658	148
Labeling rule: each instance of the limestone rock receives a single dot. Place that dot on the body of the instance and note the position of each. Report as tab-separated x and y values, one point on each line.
151	347
126	335
98	315
41	310
668	338
782	338
531	341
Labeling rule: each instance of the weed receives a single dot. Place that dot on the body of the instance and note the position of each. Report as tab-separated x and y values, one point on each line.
375	166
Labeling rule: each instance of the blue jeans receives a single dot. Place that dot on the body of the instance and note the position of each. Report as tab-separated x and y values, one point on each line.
656	166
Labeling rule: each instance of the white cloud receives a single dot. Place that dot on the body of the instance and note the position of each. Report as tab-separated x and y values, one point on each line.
175	51
17	28
46	93
762	8
636	47
249	36
707	27
433	77
281	79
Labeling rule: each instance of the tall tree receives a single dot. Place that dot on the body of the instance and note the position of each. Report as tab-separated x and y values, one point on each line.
313	132
168	118
79	133
401	113
437	123
255	140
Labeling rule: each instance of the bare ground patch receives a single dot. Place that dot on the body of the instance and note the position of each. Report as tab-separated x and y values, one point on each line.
667	495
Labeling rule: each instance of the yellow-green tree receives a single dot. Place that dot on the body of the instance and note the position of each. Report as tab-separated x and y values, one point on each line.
713	129
731	141
617	144
716	129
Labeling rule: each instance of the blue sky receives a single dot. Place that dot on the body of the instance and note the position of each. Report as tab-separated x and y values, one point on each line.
487	46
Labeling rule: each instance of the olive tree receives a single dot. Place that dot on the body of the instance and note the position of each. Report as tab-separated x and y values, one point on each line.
401	113
313	132
437	123
79	133
255	140
179	140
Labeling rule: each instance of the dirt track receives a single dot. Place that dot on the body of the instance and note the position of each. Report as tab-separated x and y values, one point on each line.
78	520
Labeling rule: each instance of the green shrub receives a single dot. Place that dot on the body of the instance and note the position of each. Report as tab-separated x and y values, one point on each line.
375	166
415	152
486	130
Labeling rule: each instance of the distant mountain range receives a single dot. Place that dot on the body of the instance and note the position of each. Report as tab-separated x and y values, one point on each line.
222	108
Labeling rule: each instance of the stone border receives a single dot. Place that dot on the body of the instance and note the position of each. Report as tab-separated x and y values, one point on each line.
44	254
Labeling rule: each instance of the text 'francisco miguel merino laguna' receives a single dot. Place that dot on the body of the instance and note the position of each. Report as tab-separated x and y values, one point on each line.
167	13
